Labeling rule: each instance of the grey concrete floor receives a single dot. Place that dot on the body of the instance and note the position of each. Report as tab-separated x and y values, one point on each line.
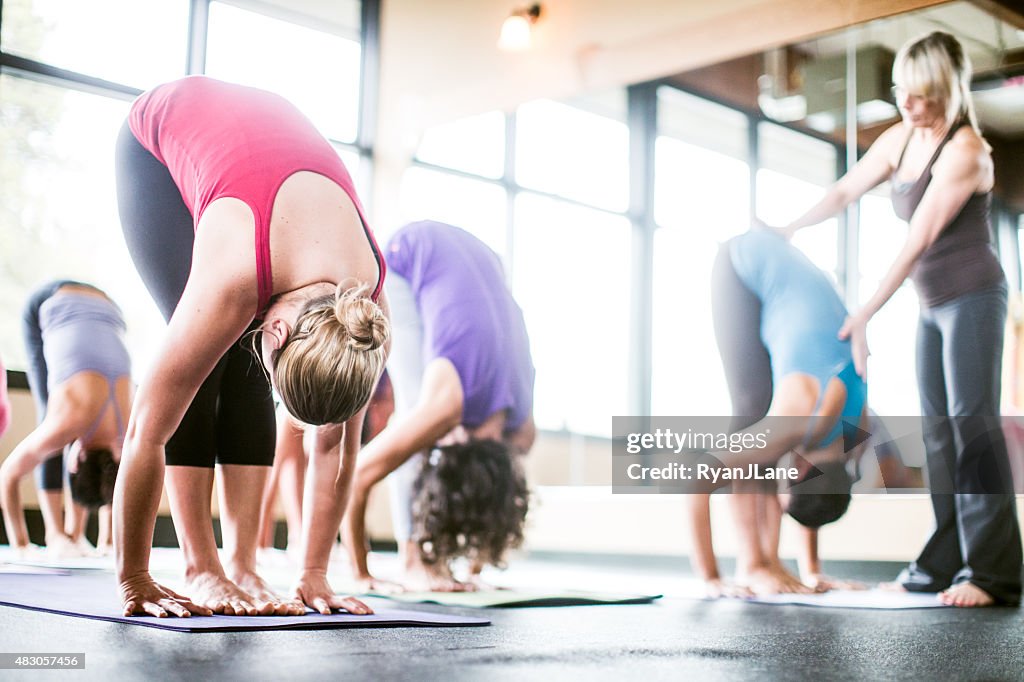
671	639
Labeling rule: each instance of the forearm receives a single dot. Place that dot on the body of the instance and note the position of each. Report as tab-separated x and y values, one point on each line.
17	465
834	201
324	505
702	553
74	521
354	531
136	502
14	517
808	557
770	524
894	277
105	519
786	432
744	507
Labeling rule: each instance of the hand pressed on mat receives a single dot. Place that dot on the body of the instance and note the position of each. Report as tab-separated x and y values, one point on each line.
314	591
141	595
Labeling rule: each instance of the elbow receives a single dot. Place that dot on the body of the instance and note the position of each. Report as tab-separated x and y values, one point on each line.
450	422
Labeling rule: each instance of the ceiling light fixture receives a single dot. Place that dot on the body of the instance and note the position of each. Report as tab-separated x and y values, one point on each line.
516	31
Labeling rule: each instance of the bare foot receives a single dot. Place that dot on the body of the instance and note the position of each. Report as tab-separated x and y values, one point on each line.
716	588
220	595
425	579
86	548
264	598
367	584
60	546
966	595
772	580
481	585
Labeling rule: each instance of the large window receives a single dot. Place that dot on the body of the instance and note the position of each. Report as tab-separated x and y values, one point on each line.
552	204
475	144
572	281
135	43
701	199
316	70
576	153
795	171
476	206
58	217
891	333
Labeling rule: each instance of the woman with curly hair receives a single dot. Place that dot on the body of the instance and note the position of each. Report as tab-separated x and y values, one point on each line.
462	375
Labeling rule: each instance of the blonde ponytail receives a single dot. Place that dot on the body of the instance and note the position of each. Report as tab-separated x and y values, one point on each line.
326	370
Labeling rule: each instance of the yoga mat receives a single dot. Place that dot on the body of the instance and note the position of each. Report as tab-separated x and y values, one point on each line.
17	569
835	599
518	598
40	559
91	596
858	599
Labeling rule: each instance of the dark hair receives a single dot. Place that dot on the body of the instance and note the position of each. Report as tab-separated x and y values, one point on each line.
822	499
92	485
469	500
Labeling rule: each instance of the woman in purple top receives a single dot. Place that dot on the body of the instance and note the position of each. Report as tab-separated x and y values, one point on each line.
463	377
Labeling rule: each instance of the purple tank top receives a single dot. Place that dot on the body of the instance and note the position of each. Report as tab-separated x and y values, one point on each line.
469	317
962	259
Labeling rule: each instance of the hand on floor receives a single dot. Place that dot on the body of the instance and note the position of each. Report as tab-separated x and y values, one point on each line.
717	588
773	580
141	595
819	582
314	591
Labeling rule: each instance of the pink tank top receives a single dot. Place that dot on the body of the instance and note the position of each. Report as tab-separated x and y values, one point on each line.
219	140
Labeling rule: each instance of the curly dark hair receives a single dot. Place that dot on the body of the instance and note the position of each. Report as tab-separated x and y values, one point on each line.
92	485
469	500
822	499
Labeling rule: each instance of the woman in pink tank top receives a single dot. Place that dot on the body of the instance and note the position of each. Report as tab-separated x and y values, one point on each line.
245	227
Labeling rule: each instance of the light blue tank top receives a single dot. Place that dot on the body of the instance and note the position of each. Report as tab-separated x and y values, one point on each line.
801	313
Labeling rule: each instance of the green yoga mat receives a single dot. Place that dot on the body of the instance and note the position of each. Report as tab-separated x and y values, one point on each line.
519	598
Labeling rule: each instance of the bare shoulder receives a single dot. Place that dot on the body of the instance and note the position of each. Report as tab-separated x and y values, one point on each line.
890	143
967	155
967	142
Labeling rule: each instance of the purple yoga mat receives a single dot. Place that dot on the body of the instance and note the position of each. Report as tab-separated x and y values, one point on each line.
91	596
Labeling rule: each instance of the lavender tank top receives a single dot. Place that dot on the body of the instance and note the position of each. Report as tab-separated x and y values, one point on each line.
962	260
469	317
82	333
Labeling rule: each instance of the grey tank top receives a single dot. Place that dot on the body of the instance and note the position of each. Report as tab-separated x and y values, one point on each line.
962	260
